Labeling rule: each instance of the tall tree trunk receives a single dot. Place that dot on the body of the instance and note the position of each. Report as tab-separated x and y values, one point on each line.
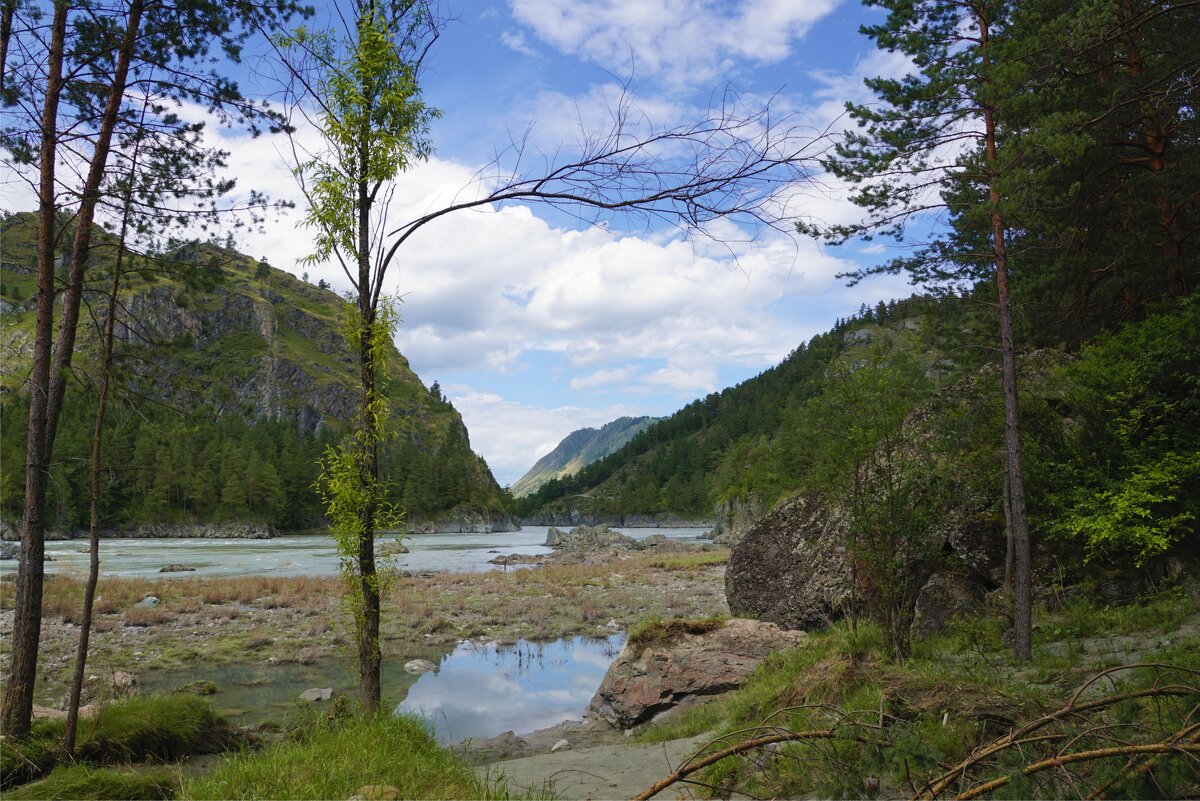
1017	518
6	23
89	592
369	657
27	618
64	345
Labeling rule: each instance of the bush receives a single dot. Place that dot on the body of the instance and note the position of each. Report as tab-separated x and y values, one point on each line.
336	758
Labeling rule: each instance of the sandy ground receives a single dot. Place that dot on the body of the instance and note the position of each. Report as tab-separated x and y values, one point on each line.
613	771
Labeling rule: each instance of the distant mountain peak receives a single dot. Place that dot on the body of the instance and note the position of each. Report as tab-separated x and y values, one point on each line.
579	449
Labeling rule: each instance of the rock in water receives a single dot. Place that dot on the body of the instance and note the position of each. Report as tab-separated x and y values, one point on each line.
791	567
177	569
316	694
589	538
647	680
418	666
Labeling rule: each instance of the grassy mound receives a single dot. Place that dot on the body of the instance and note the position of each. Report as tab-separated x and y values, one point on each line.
86	782
655	631
337	758
157	727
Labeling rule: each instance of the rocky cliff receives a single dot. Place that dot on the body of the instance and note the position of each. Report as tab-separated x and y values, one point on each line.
216	338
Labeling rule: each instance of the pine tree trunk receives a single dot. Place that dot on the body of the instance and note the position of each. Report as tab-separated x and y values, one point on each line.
1017	519
27	618
64	345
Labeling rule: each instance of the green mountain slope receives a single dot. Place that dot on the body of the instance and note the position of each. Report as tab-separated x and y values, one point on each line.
579	449
740	445
234	378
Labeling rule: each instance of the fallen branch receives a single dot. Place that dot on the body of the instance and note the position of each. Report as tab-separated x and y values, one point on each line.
1083	756
935	787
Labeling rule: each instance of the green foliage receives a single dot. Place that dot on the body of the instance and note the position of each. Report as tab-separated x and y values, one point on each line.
85	782
337	758
1128	482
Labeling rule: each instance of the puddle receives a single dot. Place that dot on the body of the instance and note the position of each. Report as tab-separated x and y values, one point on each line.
477	690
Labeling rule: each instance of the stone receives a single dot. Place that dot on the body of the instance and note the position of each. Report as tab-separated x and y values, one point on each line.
945	597
377	792
649	679
419	666
654	540
9	550
122	680
315	694
148	601
173	568
561	745
734	518
791	568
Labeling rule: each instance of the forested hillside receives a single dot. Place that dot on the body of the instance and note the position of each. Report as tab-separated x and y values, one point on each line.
234	378
579	449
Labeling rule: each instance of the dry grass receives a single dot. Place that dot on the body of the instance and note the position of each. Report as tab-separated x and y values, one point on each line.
149	616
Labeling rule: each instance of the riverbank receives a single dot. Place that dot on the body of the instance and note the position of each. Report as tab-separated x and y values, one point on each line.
146	625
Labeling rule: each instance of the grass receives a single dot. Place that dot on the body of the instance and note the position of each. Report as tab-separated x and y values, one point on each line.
958	690
87	782
339	757
654	631
156	727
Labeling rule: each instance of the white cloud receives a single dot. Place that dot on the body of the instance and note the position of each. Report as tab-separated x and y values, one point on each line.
685	42
516	41
603	378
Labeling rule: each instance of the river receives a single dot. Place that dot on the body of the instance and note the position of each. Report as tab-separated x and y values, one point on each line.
303	555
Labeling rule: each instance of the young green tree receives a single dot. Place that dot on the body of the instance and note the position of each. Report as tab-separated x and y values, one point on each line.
864	460
360	87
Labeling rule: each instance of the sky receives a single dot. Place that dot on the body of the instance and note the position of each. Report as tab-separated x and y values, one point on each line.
535	323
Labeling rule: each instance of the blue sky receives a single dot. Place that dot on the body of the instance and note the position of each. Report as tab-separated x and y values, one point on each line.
536	325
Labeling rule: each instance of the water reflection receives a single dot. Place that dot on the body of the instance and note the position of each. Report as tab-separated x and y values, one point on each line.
481	690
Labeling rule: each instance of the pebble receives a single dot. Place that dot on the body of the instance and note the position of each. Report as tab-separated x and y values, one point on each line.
561	745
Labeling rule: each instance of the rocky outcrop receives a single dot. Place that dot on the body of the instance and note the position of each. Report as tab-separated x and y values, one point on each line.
648	679
791	568
589	538
734	517
577	517
469	522
232	530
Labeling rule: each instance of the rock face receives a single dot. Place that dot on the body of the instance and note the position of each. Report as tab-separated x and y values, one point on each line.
469	522
235	530
647	680
734	518
790	568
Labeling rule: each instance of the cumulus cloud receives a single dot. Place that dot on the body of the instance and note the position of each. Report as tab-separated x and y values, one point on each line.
683	42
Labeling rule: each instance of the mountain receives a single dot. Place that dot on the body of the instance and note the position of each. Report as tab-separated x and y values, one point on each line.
233	378
732	454
579	449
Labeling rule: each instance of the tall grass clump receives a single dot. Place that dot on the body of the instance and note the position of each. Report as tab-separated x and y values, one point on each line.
69	782
337	757
156	727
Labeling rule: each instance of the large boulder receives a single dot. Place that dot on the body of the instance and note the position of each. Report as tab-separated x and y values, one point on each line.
652	676
791	568
945	596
